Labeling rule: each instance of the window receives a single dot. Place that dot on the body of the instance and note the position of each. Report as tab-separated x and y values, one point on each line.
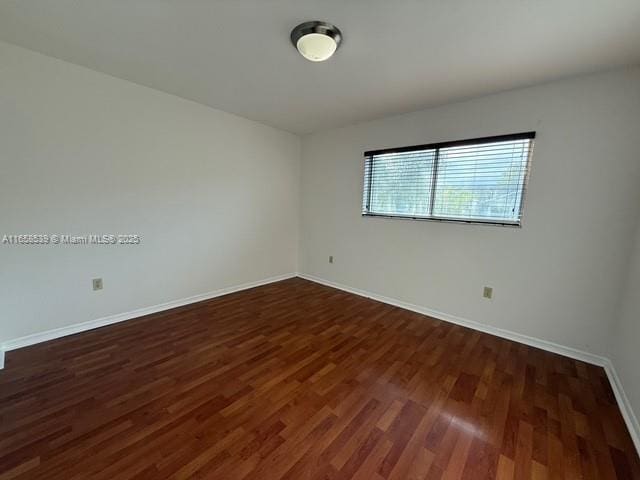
475	181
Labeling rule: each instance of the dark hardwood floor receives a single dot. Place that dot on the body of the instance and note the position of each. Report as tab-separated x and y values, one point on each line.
295	380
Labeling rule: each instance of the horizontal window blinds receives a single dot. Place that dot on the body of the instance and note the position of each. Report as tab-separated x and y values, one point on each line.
480	180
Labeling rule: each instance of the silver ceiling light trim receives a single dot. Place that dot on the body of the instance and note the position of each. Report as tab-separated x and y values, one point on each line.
316	41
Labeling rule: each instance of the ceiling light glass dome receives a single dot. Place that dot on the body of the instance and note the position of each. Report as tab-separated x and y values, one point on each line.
316	41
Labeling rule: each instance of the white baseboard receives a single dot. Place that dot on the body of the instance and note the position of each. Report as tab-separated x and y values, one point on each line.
516	337
121	317
623	402
616	384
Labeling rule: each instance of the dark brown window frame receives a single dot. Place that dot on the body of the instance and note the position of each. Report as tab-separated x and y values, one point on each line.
370	154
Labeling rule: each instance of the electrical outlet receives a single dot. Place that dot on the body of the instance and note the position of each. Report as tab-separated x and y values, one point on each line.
97	283
330	258
487	292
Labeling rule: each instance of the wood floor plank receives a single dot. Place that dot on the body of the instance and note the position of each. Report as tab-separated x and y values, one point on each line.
294	381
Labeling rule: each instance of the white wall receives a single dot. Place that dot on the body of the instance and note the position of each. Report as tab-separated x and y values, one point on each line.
625	342
214	196
215	199
559	277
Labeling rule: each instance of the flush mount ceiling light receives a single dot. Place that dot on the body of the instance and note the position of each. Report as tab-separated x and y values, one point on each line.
316	41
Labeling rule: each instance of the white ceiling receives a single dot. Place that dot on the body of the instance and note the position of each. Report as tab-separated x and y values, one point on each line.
397	55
